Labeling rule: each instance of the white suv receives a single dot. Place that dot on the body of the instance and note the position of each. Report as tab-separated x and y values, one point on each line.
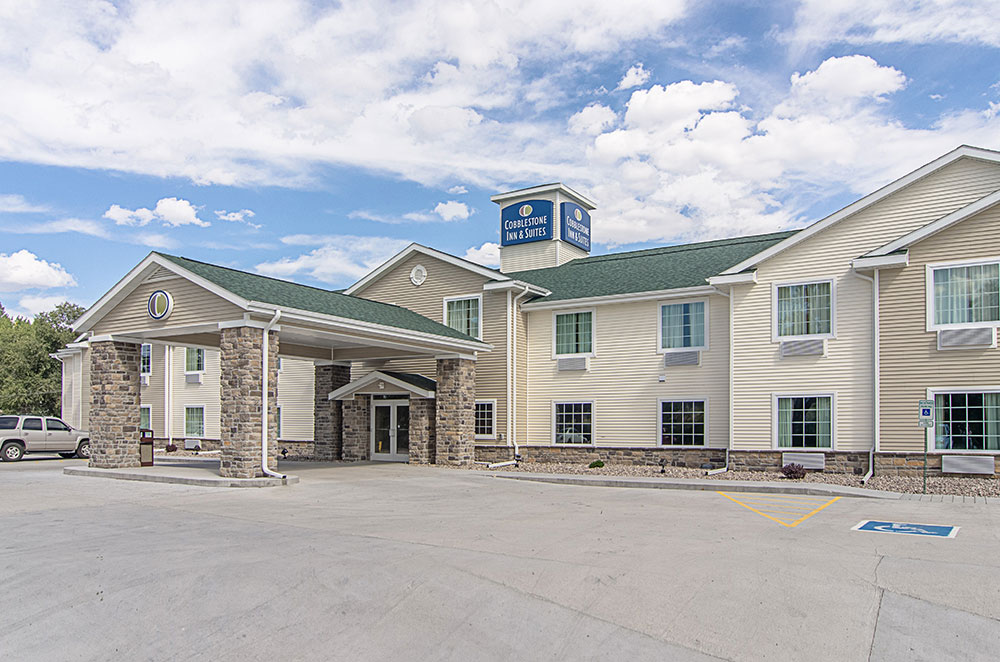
40	434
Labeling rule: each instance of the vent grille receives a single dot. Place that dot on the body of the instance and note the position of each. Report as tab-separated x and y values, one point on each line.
966	338
577	363
803	348
681	358
144	380
193	378
807	460
192	444
968	464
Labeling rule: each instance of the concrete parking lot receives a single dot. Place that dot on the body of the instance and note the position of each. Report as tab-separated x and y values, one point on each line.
389	562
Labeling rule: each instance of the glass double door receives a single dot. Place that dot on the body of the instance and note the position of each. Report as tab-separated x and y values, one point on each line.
391	430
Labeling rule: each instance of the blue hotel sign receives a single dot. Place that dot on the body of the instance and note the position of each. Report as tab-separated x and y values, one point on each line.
574	225
526	221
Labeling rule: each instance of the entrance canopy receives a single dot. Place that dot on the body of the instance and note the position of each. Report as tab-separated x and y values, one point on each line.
387	382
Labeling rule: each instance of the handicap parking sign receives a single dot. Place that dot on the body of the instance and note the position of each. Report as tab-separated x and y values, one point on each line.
932	530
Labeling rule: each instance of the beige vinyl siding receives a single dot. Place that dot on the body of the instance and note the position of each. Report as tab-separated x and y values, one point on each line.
192	305
534	255
152	394
847	369
296	397
447	280
910	360
623	379
205	394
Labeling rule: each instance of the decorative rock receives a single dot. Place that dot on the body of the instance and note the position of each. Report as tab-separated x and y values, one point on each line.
456	406
241	351
328	414
114	405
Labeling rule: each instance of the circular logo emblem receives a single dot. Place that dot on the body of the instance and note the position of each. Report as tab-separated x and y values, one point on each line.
418	275
578	214
525	210
160	305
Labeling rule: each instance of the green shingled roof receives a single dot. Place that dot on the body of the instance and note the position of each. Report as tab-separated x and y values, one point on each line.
413	379
313	299
650	270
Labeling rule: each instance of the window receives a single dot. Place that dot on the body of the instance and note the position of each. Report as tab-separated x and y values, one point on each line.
682	326
279	364
32	424
194	421
8	422
805	310
574	423
462	314
805	422
56	424
195	360
279	423
145	359
145	416
682	423
967	295
574	333
967	421
486	419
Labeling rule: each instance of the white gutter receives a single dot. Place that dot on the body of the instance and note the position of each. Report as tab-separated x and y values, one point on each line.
875	377
512	402
510	349
167	386
263	397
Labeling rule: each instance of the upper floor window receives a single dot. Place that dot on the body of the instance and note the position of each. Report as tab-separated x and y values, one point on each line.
194	360
804	309
967	295
574	333
682	326
145	359
462	314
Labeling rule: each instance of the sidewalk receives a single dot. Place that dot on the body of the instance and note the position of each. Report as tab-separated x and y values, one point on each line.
181	471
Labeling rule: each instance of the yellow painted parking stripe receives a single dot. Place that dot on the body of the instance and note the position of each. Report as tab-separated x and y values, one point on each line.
776	510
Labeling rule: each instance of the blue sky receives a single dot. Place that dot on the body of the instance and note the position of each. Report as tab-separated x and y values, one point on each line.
312	140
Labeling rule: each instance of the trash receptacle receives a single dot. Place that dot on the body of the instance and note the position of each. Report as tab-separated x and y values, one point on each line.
145	447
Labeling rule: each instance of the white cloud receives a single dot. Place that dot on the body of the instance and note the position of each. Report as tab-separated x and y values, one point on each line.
24	270
339	260
241	216
80	225
172	212
30	304
487	255
634	77
839	84
458	190
592	120
16	204
452	210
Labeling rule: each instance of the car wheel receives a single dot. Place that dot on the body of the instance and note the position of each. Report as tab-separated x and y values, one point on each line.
67	455
83	450
11	452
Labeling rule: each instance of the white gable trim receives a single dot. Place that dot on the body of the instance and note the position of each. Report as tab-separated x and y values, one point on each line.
982	204
423	250
347	391
136	277
964	151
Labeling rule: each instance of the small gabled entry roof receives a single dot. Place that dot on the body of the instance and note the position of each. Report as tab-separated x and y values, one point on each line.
415	385
485	272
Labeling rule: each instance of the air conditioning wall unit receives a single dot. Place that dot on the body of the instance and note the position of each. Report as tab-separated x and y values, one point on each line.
979	338
807	460
681	358
968	464
574	364
144	380
192	378
803	348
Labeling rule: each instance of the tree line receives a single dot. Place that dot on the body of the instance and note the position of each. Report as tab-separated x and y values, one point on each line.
30	379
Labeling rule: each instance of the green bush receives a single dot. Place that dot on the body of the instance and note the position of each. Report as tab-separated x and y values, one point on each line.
596	464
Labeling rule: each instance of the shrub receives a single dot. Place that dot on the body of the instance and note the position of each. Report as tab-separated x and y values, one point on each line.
793	471
596	464
170	448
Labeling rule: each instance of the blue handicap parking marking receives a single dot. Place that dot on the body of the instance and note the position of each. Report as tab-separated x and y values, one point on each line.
932	530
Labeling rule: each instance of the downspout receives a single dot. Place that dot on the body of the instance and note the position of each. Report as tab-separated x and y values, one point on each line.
263	397
166	395
729	442
875	377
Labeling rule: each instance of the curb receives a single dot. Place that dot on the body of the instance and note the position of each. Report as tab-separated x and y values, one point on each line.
118	474
762	487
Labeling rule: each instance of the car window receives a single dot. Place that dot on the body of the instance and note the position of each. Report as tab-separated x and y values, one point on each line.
8	422
32	424
56	424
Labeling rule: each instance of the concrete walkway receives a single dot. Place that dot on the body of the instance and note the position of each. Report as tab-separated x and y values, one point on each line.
187	471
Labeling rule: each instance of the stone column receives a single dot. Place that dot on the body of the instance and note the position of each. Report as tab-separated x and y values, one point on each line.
422	423
241	351
455	425
328	422
114	405
357	429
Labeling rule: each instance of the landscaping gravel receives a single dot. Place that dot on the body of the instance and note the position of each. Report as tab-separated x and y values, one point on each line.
965	486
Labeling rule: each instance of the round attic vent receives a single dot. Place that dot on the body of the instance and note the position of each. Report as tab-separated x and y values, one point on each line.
418	275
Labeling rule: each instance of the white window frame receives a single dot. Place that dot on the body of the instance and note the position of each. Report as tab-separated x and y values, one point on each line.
150	371
204	423
809	394
809	336
931	433
659	327
929	293
478	297
593	333
204	360
491	401
149	408
659	422
593	423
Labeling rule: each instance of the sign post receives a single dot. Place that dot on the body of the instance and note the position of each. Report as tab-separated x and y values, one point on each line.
925	419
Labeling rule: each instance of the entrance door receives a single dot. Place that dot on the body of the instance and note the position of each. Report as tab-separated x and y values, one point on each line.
391	430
